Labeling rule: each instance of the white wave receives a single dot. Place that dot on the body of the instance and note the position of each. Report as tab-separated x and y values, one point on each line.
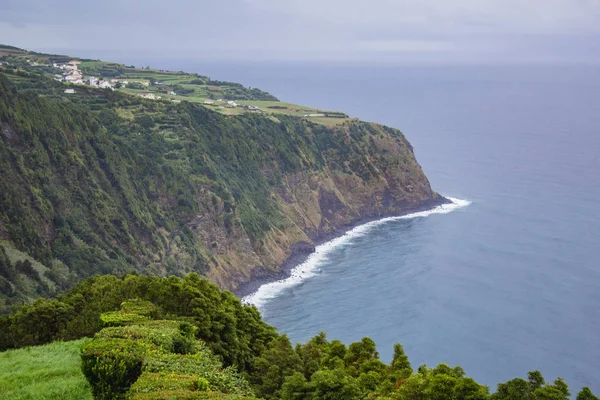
310	267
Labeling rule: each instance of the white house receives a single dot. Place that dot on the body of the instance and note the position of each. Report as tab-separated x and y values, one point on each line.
105	85
232	103
172	93
70	91
209	102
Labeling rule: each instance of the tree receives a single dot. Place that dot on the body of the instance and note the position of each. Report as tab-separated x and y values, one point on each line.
400	361
40	322
441	387
586	394
334	385
295	387
536	380
515	389
270	369
467	389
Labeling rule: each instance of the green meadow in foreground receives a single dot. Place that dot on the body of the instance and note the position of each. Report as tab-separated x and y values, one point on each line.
52	371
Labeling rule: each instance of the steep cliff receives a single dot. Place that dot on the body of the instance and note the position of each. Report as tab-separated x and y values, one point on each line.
110	183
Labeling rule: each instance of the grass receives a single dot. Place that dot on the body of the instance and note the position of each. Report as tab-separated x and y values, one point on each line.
52	371
201	92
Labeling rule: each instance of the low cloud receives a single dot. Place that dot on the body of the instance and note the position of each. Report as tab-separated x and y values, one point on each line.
456	31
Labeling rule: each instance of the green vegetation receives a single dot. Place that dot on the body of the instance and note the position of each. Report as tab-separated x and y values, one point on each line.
103	182
155	359
192	341
170	85
52	371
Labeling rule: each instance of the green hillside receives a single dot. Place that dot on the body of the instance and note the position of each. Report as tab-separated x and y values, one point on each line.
167	86
101	182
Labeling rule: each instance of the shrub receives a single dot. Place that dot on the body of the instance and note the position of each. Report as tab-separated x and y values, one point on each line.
120	318
141	307
112	365
161	381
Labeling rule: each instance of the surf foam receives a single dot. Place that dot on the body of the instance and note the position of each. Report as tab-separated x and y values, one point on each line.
310	267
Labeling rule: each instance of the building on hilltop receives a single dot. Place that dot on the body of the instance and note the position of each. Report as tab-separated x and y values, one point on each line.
105	85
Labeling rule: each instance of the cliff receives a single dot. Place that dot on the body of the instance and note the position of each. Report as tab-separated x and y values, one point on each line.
106	182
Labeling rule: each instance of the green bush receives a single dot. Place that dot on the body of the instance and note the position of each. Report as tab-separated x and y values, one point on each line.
111	366
183	394
120	318
165	381
141	307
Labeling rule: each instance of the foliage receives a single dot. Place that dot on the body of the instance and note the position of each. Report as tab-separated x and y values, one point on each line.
147	358
233	331
211	346
112	365
104	182
46	372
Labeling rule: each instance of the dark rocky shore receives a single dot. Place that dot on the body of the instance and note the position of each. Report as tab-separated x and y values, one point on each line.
300	251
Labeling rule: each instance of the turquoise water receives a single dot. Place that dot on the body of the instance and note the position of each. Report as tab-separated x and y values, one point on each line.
504	285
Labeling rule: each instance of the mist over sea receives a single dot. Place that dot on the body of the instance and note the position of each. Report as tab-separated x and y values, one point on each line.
504	285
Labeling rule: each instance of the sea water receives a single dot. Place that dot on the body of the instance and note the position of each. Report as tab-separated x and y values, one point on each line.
509	280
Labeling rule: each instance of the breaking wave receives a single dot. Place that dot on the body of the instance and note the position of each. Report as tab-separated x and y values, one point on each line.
310	266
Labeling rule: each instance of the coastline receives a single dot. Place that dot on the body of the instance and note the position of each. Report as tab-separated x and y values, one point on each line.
301	251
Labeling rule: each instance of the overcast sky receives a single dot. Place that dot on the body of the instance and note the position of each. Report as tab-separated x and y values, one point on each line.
352	31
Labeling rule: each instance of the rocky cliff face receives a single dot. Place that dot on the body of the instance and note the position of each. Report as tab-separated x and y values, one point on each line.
318	204
114	184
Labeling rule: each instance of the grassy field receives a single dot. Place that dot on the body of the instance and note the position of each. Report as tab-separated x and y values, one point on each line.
190	87
200	93
44	372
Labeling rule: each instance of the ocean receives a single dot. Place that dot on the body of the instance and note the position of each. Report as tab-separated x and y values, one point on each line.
504	281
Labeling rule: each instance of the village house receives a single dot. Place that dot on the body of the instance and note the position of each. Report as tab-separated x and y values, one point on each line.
209	102
70	91
72	76
105	85
172	93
